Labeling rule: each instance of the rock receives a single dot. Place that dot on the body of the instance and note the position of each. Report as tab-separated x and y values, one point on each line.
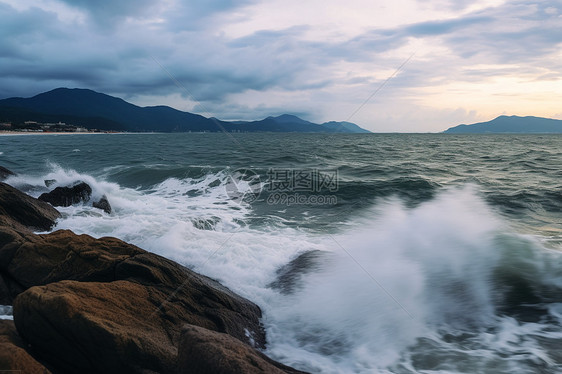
102	204
102	305
97	327
289	276
5	293
28	260
203	351
122	326
31	260
18	210
120	297
209	304
13	355
50	182
5	173
66	196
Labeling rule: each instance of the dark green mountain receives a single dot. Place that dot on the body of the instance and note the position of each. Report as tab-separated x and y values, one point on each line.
510	124
282	123
96	110
344	127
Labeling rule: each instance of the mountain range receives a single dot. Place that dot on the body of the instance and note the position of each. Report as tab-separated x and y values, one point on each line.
510	124
90	109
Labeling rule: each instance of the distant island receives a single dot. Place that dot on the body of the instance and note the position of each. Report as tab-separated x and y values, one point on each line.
510	124
93	111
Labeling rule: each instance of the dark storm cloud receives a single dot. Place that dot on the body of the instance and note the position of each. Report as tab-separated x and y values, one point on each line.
107	12
130	48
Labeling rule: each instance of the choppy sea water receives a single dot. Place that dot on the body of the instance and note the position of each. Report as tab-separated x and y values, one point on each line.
399	253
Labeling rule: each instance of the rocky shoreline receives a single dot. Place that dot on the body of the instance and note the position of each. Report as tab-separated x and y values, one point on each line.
86	305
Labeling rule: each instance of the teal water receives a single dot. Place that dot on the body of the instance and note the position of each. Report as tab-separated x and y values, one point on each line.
437	253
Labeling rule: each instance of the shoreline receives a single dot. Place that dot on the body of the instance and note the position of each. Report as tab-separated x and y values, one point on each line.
115	299
11	133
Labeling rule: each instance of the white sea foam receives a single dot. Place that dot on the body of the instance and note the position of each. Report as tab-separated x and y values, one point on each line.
393	279
6	312
398	279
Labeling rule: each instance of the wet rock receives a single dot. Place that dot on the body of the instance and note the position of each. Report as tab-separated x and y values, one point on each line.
28	260
5	173
66	196
208	352
122	297
5	293
19	210
117	325
49	182
13	355
102	204
289	276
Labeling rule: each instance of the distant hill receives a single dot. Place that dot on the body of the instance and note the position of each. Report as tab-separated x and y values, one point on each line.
282	123
510	124
344	127
97	110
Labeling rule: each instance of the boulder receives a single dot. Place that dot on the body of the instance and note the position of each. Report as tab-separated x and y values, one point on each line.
31	260
203	351
289	276
28	260
116	327
66	196
5	173
13	355
97	327
102	204
120	296
18	210
5	293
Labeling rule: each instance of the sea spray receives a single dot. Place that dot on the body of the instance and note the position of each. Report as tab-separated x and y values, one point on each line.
401	289
395	277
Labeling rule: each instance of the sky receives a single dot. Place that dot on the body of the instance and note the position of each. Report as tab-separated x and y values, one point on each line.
387	65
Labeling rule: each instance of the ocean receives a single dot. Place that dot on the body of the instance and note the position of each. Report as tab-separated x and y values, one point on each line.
368	253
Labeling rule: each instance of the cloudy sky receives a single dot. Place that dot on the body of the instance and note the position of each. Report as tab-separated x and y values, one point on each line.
387	65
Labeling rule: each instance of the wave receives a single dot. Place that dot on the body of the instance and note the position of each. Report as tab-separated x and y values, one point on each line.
444	286
441	285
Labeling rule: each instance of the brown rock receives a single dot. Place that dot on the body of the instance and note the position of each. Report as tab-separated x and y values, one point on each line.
97	327
29	260
32	260
19	210
192	298
113	327
202	351
13	356
129	300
